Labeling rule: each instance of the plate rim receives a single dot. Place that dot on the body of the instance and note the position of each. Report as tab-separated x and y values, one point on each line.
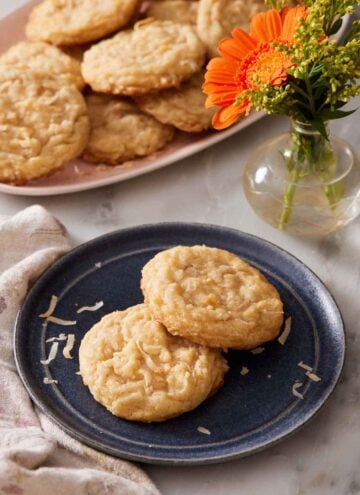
173	157
206	459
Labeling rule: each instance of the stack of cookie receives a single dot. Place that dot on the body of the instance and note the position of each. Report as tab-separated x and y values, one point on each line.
43	116
143	83
162	358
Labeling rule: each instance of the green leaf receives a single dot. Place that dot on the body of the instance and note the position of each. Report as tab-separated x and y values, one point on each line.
340	104
298	89
328	114
335	27
316	70
318	125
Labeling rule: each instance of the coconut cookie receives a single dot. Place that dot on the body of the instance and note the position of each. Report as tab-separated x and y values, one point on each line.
217	18
120	131
181	11
212	297
72	22
183	108
140	372
153	56
46	58
43	122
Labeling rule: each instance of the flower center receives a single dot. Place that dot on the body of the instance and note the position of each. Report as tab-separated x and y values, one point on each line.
264	65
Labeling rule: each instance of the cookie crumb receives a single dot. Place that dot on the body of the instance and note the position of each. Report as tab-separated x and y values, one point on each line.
69	345
203	430
51	308
295	387
95	307
285	334
305	366
258	350
49	381
52	355
313	376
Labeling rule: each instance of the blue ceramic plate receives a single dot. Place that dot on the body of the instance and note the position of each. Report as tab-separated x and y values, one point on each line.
248	413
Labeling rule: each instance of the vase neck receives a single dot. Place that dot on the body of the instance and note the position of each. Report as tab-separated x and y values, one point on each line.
310	152
305	128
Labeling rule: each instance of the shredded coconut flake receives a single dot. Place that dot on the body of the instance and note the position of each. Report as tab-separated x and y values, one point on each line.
244	371
60	337
98	265
95	307
294	390
203	430
49	381
52	354
69	345
305	366
60	321
51	308
269	376
148	360
286	332
78	373
258	350
313	376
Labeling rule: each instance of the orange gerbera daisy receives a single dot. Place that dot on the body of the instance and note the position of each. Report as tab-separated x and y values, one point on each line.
249	61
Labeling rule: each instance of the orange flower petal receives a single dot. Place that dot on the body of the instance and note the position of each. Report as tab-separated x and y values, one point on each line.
266	26
219	88
225	117
238	47
283	13
278	77
220	63
221	94
220	70
221	99
244	40
220	77
291	21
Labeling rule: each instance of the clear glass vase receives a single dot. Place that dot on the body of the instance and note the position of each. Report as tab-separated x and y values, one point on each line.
302	183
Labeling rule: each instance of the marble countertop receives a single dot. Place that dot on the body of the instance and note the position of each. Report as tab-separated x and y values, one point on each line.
324	457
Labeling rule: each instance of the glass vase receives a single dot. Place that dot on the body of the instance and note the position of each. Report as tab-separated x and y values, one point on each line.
302	183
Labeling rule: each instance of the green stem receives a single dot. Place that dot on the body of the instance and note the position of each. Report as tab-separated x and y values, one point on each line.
334	193
310	95
310	154
330	195
288	201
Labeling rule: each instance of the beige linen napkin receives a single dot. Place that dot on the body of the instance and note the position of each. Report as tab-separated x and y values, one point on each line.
36	457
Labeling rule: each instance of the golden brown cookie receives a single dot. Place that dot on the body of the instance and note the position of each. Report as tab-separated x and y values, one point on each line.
217	18
153	56
46	58
120	131
183	108
140	372
212	297
181	11
43	121
72	22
